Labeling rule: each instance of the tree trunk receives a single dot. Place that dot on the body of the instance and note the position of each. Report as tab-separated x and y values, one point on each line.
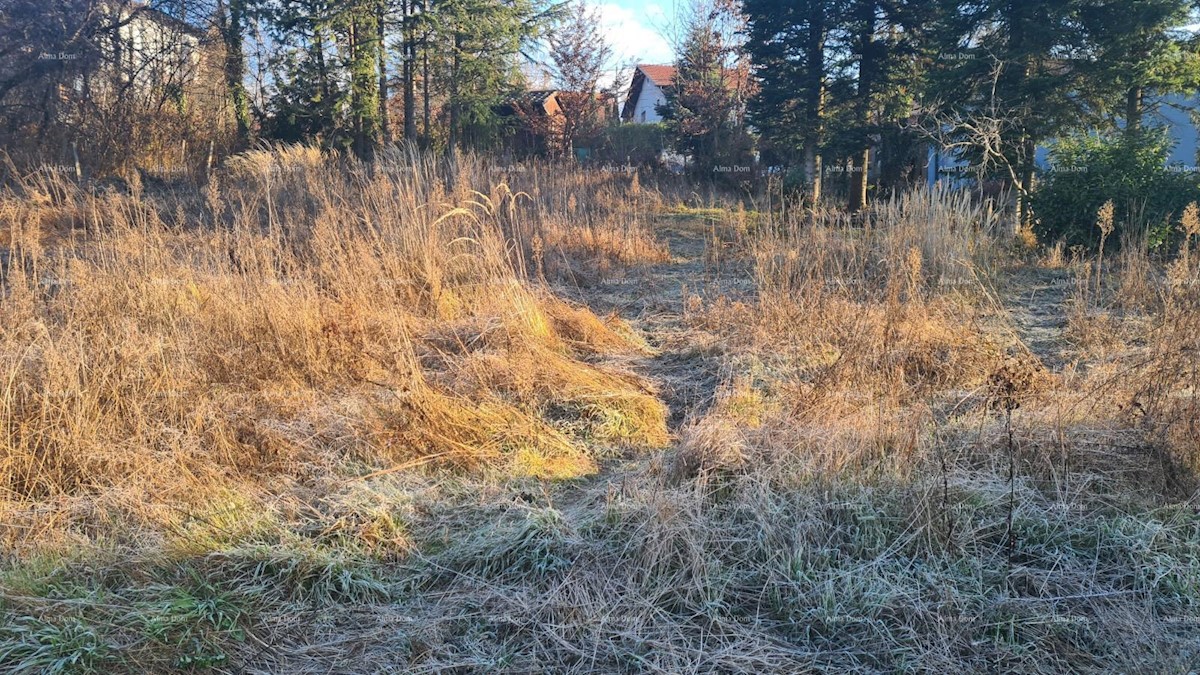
455	132
231	18
323	77
385	126
425	94
1024	212
814	100
356	95
409	73
364	81
812	170
1133	110
866	83
858	180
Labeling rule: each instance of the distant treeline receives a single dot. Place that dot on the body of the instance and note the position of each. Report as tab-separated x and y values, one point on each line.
862	82
845	94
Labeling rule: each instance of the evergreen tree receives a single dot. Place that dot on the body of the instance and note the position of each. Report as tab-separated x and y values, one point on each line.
1138	52
839	78
363	46
1011	80
477	44
411	13
330	76
307	100
882	43
787	44
703	109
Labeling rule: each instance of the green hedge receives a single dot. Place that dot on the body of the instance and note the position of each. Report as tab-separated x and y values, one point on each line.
1088	170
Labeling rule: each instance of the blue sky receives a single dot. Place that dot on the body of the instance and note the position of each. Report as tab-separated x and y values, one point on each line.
638	32
636	28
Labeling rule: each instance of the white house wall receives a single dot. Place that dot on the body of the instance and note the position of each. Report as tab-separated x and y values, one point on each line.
155	55
650	98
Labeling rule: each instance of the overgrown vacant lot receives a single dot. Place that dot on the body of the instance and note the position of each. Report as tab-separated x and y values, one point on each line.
319	417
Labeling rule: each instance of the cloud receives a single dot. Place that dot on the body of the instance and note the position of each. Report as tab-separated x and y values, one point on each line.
635	35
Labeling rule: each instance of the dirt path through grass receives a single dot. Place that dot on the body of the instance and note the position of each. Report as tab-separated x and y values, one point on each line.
1036	301
685	364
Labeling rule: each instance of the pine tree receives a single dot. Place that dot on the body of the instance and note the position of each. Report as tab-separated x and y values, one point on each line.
1141	51
476	44
838	79
787	44
703	106
883	42
363	44
307	100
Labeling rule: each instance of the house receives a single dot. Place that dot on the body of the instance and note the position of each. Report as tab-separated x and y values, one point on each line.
123	52
148	52
534	115
648	92
541	121
122	85
1176	113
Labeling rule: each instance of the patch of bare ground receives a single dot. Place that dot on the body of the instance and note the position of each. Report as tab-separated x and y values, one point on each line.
703	263
1036	302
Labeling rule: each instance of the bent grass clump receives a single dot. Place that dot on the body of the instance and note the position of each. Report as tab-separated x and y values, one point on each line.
307	318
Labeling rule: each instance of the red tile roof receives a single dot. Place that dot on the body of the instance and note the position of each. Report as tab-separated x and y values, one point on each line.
663	76
660	75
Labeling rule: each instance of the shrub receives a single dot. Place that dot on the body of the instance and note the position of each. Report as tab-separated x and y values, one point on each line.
1086	171
634	144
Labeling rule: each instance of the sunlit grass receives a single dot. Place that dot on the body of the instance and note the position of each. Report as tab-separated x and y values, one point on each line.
316	418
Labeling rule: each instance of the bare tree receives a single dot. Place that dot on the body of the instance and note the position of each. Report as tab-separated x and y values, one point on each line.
985	134
114	83
705	108
579	56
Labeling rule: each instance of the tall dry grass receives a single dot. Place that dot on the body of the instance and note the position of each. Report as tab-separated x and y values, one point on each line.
327	394
300	321
890	479
1135	331
856	329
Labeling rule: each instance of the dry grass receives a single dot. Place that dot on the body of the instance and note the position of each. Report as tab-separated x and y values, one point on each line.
856	331
1136	336
306	316
313	420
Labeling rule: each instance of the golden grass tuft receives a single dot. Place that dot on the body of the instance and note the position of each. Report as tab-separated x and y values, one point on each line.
310	314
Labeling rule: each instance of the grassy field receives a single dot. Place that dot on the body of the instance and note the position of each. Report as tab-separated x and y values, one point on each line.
321	417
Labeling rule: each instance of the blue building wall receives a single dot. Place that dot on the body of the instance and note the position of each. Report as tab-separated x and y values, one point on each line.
1182	129
1172	113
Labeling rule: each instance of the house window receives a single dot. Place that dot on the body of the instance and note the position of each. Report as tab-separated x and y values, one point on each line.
643	115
